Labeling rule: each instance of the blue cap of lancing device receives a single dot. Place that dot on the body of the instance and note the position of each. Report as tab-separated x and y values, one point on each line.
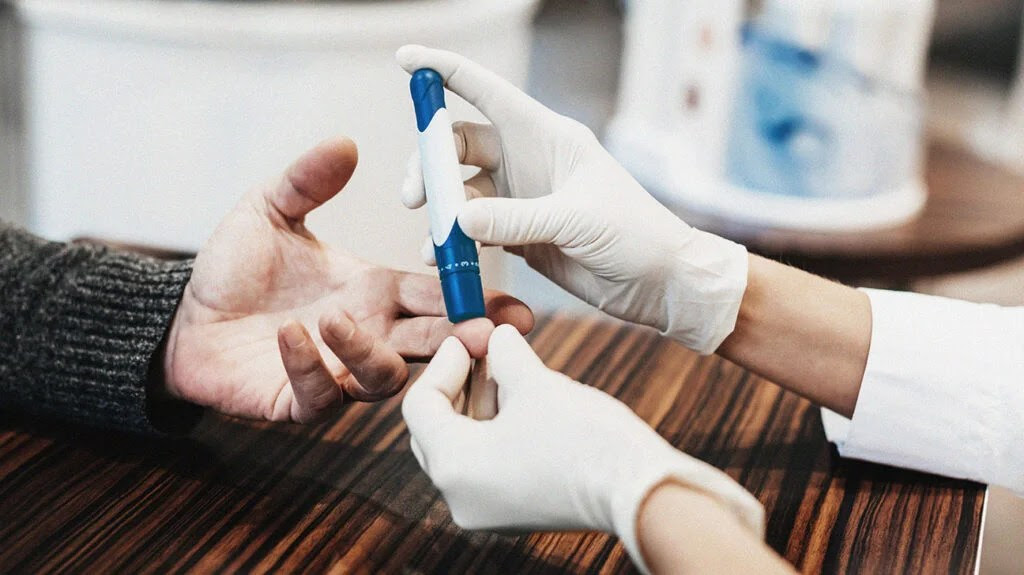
457	262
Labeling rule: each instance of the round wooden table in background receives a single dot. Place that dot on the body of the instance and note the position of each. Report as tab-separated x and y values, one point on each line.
974	218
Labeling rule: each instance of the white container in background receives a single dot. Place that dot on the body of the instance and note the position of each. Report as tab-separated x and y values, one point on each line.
146	120
802	114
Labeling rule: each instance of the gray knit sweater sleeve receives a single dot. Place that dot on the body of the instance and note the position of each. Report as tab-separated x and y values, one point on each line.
79	327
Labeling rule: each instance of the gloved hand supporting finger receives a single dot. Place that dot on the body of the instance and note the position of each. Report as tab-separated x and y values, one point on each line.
511	361
428	407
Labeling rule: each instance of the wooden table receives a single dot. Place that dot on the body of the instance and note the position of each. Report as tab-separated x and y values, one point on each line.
347	495
974	218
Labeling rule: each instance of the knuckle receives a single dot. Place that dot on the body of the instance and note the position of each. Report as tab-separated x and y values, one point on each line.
302	364
306	370
381	279
391	382
436	333
321	403
462	138
361	349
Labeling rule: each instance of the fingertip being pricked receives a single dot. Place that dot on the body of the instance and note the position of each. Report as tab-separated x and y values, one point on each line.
503	308
474	335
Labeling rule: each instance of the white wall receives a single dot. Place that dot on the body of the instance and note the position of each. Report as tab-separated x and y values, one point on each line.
146	120
12	201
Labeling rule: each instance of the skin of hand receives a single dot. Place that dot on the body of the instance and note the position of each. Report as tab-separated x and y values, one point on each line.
276	325
682	530
551	193
559	455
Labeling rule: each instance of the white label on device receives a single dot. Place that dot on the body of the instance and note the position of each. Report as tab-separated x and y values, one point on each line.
442	176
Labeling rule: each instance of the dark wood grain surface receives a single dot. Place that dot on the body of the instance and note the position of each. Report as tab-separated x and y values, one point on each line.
974	218
347	495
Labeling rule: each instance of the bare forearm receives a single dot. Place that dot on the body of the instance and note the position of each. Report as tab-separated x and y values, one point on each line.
686	531
806	333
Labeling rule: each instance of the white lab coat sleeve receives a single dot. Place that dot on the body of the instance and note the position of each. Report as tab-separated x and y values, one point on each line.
943	390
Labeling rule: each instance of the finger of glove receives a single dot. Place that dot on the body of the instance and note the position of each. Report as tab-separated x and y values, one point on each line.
514	222
497	98
477	145
429	406
512	362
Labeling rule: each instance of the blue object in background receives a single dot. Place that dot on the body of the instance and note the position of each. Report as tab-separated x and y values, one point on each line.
808	124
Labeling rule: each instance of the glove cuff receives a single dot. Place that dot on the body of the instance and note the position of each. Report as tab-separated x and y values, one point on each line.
688	472
706	287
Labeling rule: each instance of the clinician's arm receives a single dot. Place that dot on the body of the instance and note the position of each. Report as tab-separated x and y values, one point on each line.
932	384
806	333
943	389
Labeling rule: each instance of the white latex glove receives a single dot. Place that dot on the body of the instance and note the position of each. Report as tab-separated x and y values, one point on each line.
559	455
580	218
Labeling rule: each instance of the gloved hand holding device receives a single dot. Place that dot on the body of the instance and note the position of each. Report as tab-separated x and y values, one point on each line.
579	217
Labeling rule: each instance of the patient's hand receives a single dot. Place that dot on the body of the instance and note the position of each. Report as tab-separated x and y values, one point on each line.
276	325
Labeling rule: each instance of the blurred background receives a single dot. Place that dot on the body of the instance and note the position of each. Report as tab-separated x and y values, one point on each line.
142	121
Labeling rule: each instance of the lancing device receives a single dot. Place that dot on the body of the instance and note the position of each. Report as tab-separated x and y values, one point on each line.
457	260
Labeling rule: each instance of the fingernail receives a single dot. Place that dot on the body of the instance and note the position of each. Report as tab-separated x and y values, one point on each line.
341	328
294	335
